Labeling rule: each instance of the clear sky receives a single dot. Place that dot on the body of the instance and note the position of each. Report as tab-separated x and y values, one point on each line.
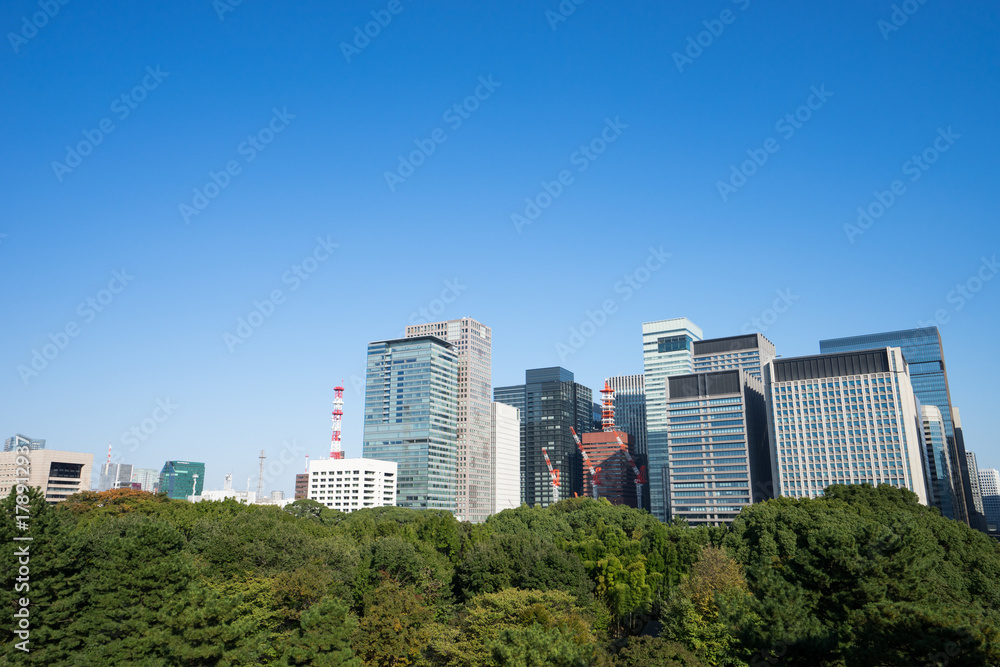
211	154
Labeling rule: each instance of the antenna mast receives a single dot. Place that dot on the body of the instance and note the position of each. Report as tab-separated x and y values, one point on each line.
260	475
338	414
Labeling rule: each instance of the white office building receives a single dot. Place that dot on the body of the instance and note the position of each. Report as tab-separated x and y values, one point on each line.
352	484
115	476
506	455
989	487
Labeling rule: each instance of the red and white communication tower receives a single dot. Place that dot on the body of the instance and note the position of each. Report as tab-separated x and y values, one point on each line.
608	407
338	415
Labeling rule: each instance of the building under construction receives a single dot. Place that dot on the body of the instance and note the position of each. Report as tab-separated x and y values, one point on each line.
611	461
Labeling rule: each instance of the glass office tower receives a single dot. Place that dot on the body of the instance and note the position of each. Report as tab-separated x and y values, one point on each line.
666	351
411	417
924	353
180	479
630	407
939	464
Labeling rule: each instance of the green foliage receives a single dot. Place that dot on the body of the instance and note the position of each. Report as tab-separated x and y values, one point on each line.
655	652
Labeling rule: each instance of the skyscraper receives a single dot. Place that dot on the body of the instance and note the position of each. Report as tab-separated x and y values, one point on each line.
506	456
751	352
939	466
667	350
148	479
411	417
472	341
115	476
552	403
844	418
19	440
924	353
630	407
180	479
719	457
989	486
977	494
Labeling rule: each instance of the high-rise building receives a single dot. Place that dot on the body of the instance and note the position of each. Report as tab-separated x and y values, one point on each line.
616	479
846	418
148	479
751	352
977	518
352	484
924	353
115	476
630	407
551	402
977	494
989	486
180	479
667	350
506	456
411	417
57	474
939	466
18	440
474	497
719	453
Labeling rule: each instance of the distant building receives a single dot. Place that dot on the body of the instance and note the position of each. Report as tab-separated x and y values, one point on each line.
21	441
751	352
630	408
940	482
301	485
505	422
352	484
989	486
844	418
57	474
277	496
411	418
977	494
974	503
616	480
148	479
180	479
115	476
472	341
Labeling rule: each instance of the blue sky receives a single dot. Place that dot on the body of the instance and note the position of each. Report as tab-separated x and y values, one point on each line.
203	86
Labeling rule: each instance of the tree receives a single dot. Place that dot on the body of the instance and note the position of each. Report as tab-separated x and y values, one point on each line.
396	629
324	637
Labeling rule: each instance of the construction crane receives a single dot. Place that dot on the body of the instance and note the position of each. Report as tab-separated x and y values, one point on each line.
640	473
595	473
555	476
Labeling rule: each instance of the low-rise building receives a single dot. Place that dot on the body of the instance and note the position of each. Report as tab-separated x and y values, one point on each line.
58	474
352	484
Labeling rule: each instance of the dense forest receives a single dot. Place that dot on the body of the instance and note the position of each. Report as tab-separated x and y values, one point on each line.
862	577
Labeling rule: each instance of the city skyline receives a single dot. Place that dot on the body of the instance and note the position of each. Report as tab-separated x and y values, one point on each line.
208	217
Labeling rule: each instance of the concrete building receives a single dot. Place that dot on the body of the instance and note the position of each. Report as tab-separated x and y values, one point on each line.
550	403
751	352
411	418
719	452
845	418
630	408
56	473
473	345
505	422
977	494
616	479
115	476
667	350
180	479
924	354
989	486
18	440
941	492
148	479
352	484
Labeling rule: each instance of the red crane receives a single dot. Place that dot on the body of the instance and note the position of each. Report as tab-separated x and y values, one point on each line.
595	473
555	476
640	473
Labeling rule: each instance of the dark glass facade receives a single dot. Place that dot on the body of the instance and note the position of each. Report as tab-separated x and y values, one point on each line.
178	481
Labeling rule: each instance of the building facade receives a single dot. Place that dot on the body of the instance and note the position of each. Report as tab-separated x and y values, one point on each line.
847	418
989	486
148	479
719	458
505	423
352	484
616	479
630	408
411	418
18	440
941	492
180	479
301	485
667	350
473	345
56	474
115	476
924	354
751	352
977	494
